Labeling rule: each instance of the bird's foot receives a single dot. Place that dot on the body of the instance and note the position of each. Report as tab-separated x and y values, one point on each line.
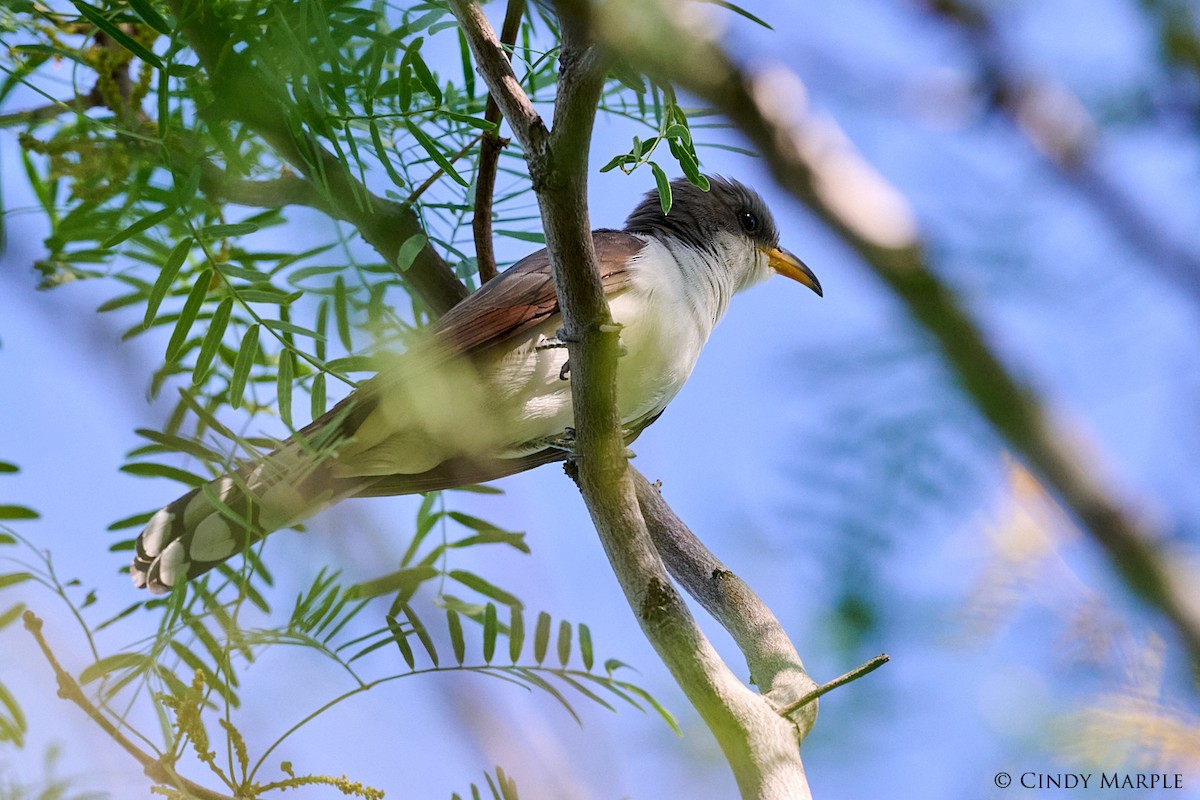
564	441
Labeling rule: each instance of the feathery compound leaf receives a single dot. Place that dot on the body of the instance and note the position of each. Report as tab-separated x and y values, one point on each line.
246	356
212	340
490	629
166	277
17	512
191	309
454	624
541	637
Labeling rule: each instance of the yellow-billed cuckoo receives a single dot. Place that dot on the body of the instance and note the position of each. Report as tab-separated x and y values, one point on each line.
488	392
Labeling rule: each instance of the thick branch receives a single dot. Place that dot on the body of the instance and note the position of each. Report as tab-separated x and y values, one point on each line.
489	157
812	160
243	95
760	746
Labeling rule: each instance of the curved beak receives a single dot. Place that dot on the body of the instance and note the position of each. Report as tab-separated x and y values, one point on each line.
789	266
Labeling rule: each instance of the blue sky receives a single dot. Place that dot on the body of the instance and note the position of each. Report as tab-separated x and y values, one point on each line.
764	454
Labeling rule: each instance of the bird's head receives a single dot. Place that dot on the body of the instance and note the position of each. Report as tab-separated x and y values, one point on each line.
730	218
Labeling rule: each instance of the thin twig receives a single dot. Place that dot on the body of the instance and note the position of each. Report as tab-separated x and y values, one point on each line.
489	157
853	675
68	689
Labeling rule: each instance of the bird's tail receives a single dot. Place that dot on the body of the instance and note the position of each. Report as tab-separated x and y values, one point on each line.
222	518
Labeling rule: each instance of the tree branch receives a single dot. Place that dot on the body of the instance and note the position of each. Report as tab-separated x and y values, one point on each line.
489	157
813	160
243	95
760	745
775	666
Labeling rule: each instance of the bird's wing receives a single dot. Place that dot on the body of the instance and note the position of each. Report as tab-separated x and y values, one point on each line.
523	296
520	298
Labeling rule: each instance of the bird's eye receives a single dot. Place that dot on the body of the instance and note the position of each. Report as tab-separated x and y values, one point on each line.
748	221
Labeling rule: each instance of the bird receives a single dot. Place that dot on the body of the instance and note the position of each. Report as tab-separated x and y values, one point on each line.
487	392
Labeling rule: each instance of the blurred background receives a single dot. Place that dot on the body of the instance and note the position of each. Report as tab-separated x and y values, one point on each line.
821	448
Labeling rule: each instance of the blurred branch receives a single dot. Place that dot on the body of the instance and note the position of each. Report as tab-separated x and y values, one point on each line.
243	95
775	666
761	746
813	160
1058	126
68	689
489	157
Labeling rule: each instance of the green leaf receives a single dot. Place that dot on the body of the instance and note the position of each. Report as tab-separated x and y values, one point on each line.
409	251
516	634
435	152
110	664
664	187
739	10
585	646
150	16
227	230
131	522
119	36
142	224
283	386
7	467
490	629
475	122
144	469
14	727
17	512
318	395
11	616
404	582
454	624
212	340
421	70
473	581
564	643
422	633
247	353
524	236
166	277
191	309
13	578
541	637
401	640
